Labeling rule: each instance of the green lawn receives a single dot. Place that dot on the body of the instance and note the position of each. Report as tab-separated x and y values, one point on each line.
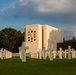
15	66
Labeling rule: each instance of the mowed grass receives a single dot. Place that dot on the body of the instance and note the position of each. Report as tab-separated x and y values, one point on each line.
15	66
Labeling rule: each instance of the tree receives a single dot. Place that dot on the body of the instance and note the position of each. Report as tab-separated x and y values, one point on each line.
73	39
10	39
63	39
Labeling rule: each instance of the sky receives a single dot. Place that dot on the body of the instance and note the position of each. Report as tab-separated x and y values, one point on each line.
58	13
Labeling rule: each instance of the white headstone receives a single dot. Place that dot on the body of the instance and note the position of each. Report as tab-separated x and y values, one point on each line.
60	53
7	54
37	55
65	53
34	55
54	53
44	53
69	52
31	55
51	52
73	53
2	53
40	55
23	52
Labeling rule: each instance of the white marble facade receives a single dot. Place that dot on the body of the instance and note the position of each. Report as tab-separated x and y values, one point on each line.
39	36
33	38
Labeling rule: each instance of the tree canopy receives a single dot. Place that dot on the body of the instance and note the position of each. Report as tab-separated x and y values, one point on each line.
11	39
64	45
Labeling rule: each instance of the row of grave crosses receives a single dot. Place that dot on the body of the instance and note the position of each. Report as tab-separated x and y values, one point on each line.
69	53
22	53
43	54
4	54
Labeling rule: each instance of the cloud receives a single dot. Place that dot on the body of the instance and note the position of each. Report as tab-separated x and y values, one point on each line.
7	11
63	11
58	11
11	6
69	32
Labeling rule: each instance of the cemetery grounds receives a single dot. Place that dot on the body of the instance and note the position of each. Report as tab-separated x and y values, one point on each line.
14	66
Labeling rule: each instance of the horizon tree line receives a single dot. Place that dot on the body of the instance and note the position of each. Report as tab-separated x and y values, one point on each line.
11	39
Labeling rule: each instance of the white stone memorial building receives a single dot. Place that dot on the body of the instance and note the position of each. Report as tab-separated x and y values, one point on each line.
39	36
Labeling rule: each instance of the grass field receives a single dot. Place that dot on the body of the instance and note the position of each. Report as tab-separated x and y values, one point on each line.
15	66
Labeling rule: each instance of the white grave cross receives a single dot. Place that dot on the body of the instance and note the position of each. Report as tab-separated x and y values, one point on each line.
2	53
23	52
73	53
51	51
44	53
60	53
69	52
65	53
54	53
